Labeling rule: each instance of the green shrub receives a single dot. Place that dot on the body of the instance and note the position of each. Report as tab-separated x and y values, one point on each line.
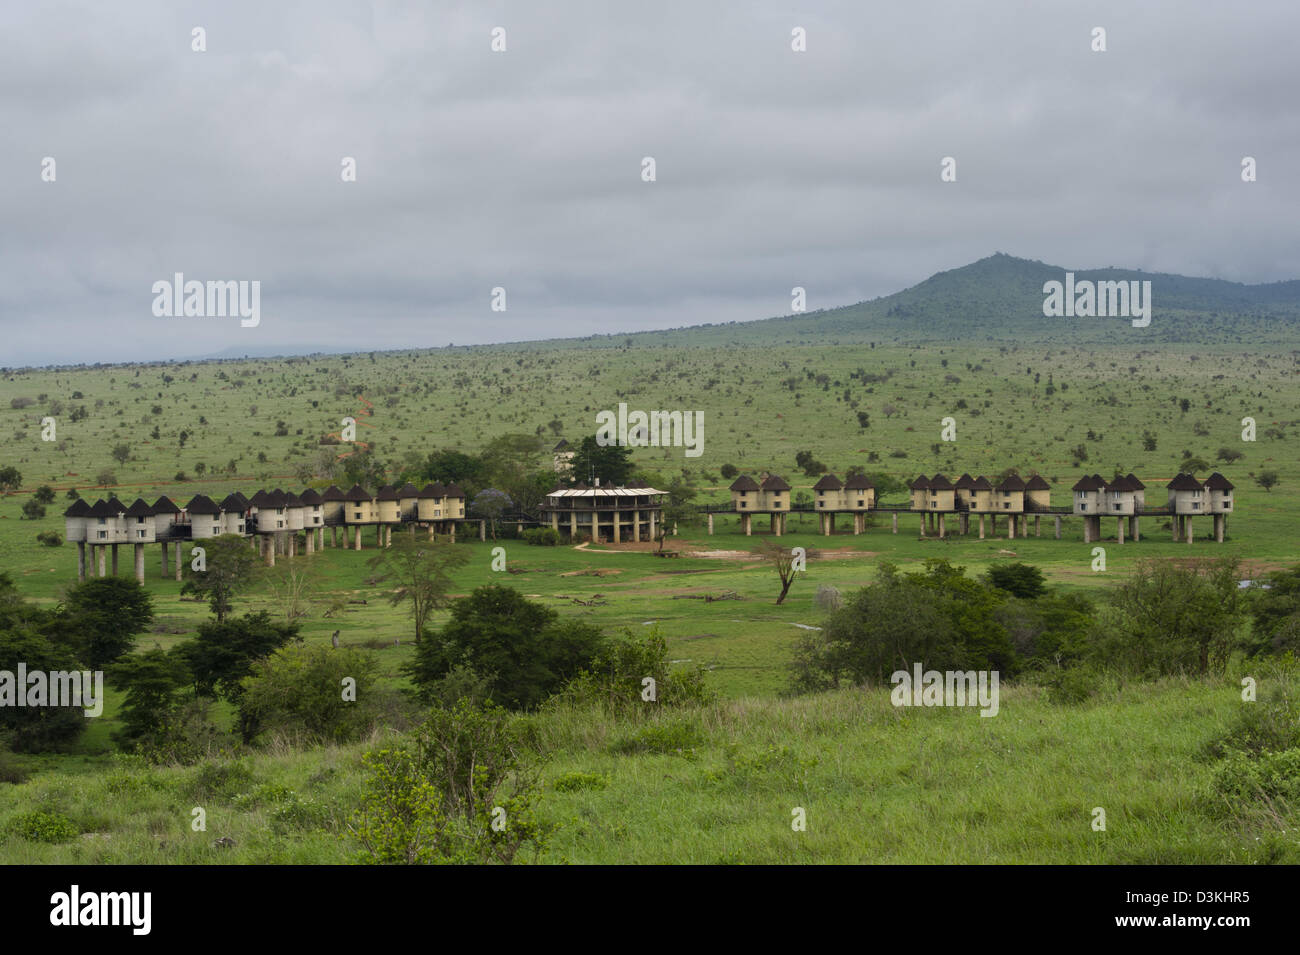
400	820
49	539
1269	725
300	691
541	536
44	826
615	678
300	814
1242	780
268	794
220	779
1072	686
665	736
577	781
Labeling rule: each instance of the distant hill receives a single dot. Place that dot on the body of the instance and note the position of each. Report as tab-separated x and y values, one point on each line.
1001	298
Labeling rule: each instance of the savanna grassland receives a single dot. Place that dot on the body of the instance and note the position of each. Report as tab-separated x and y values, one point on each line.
717	784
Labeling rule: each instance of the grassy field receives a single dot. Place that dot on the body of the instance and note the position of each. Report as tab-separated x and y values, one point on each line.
879	785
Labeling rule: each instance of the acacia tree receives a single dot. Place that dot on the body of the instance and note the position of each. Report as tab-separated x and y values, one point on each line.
227	567
422	574
786	561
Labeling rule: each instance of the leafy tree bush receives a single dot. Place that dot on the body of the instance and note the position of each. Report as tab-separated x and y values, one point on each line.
1175	618
229	566
44	494
300	692
34	729
107	613
490	504
1020	580
33	510
615	680
152	682
612	463
527	648
461	793
49	539
400	820
1275	613
939	618
223	654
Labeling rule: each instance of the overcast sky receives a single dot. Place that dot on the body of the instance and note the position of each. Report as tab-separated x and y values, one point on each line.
522	169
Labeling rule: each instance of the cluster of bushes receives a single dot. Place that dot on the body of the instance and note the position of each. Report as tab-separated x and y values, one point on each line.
1167	617
542	536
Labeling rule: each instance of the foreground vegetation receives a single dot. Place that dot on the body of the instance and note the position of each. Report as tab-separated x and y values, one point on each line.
719	784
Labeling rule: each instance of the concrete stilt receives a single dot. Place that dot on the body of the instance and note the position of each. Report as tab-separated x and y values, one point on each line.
1038	531
165	568
81	560
139	562
1087	530
356	538
895	516
1174	526
1190	533
311	542
1011	527
1058	527
710	523
747	522
1119	530
114	560
923	520
981	527
102	558
943	529
178	560
270	551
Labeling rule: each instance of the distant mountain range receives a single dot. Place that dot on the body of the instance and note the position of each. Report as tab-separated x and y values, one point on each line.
996	299
1001	298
